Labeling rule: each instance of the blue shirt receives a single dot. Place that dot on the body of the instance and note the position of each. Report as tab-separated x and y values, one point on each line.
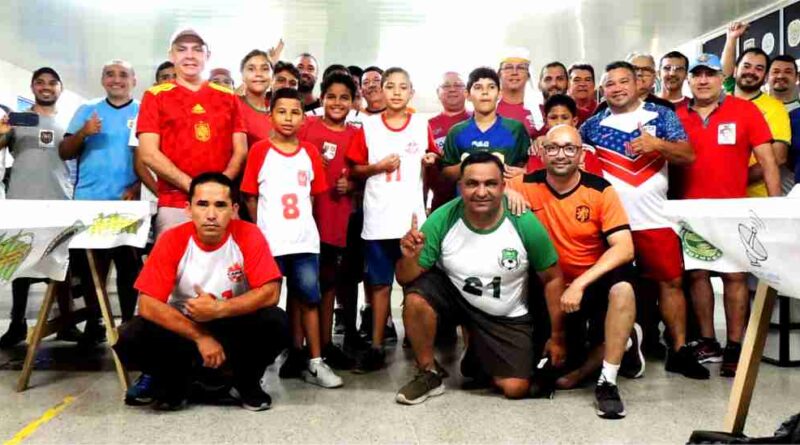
105	167
794	120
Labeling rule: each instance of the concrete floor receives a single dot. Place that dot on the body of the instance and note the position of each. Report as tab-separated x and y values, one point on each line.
662	408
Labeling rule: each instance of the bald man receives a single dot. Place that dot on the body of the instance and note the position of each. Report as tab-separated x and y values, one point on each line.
586	221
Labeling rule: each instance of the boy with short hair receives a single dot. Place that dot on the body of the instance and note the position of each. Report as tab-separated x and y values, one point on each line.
281	175
389	152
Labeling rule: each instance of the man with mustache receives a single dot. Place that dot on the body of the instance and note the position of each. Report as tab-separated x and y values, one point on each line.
782	85
553	79
308	67
744	79
582	90
371	90
514	74
673	71
645	68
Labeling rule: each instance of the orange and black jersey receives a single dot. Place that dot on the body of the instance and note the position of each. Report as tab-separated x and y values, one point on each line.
579	221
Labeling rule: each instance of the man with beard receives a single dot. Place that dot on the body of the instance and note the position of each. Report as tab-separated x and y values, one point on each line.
308	67
582	90
782	83
744	79
553	79
673	70
371	90
38	173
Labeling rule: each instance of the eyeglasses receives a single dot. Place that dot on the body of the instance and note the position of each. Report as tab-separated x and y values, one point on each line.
674	69
452	86
569	150
645	72
510	68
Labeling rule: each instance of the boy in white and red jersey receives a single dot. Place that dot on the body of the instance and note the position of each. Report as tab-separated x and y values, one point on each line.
340	266
208	297
281	175
389	152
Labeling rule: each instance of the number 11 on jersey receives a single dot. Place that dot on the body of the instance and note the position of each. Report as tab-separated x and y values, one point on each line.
393	176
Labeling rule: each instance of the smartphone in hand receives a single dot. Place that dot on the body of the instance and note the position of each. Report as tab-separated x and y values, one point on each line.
26	119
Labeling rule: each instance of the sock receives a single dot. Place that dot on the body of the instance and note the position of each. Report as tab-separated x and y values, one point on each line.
608	374
315	361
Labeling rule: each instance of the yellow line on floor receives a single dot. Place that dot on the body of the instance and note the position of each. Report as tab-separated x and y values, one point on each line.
48	415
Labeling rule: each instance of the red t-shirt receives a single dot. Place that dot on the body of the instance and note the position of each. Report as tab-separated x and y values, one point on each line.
722	147
585	113
257	124
179	262
518	112
331	210
443	190
196	130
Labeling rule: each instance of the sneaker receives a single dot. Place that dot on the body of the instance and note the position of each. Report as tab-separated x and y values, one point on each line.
70	334
684	362
142	392
390	334
319	373
94	333
730	359
173	398
372	360
336	358
365	330
632	365
252	398
609	404
338	321
16	333
707	350
426	384
295	363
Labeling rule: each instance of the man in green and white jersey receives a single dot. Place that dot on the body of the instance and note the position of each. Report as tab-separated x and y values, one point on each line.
469	265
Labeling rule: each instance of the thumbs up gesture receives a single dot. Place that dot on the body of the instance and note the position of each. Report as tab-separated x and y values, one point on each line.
645	143
412	243
92	126
343	183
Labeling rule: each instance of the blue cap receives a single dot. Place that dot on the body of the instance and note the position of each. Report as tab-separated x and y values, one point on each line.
709	61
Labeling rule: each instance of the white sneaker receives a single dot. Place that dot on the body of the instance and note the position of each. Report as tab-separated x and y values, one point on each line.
321	374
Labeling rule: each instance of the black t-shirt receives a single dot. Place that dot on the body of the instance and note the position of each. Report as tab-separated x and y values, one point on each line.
312	106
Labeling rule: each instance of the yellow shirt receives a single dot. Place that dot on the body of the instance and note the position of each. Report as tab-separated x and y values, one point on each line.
778	120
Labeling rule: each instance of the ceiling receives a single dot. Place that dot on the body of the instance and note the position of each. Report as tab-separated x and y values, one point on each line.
426	36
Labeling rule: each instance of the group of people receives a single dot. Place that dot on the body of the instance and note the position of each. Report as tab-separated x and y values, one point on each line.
538	230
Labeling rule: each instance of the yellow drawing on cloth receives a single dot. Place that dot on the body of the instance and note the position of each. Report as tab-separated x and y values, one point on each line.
114	224
202	131
13	251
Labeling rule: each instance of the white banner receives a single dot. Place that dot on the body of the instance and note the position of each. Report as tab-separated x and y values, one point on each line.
35	235
756	235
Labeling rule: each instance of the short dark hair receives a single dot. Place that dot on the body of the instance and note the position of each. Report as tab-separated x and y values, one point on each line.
561	100
482	72
394	70
783	58
621	64
310	57
356	71
250	55
482	157
163	66
674	55
555	64
582	67
334	68
754	50
285	93
373	68
282	66
341	78
216	178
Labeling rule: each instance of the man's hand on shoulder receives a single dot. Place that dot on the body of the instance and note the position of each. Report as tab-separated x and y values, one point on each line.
412	243
204	307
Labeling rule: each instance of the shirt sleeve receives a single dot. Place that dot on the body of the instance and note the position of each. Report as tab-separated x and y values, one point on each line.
673	126
148	119
435	228
157	278
320	182
78	119
357	152
541	251
758	131
451	155
612	214
778	121
432	147
237	117
255	159
259	264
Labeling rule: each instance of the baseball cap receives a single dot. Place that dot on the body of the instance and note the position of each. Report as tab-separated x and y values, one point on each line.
709	61
186	32
216	71
516	55
45	70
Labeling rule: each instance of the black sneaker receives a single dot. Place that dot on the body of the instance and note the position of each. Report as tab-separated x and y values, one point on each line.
426	384
71	334
707	350
173	397
338	321
543	382
294	365
609	404
16	333
730	359
390	334
365	330
336	358
94	333
252	398
684	362
372	360
142	392
632	365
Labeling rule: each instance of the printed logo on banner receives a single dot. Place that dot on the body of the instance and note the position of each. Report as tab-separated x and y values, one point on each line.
696	247
13	252
748	235
114	224
509	259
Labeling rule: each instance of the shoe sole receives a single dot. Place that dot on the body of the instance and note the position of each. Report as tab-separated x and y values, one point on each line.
638	346
714	359
611	416
234	393
308	378
138	402
401	399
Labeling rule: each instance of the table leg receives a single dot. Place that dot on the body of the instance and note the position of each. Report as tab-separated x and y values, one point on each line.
36	339
752	350
105	310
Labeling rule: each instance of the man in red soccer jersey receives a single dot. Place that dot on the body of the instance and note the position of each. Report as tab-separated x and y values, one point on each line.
582	90
208	298
187	127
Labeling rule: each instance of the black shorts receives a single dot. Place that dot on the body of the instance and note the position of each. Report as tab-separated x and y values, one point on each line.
593	310
503	345
354	251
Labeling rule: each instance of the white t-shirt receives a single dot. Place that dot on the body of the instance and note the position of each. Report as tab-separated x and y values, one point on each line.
284	185
391	198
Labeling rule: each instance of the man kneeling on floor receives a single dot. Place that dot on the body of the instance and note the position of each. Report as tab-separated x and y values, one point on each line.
469	265
208	297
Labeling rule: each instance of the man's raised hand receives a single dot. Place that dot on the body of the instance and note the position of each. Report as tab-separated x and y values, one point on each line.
412	243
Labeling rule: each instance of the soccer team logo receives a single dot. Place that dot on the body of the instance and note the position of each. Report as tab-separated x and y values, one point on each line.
509	259
302	178
412	147
696	247
46	138
235	273
202	131
582	213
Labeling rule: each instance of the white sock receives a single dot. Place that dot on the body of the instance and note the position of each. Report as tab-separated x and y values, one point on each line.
609	373
318	361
